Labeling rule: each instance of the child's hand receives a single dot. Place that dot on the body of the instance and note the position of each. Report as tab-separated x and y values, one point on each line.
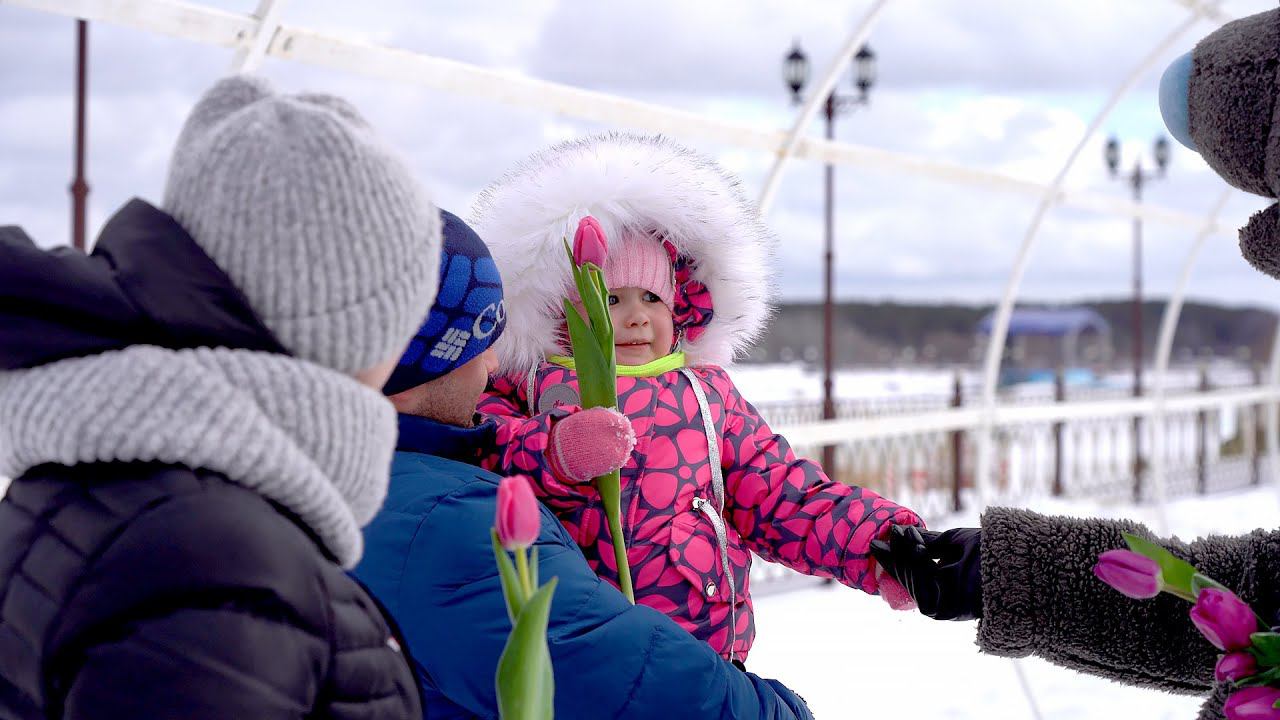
590	443
892	592
941	571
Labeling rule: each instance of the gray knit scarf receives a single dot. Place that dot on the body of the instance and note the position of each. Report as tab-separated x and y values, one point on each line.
313	440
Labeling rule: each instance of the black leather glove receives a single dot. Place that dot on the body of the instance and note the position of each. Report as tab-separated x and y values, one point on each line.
942	571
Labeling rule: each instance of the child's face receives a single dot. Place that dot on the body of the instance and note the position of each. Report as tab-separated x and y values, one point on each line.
642	327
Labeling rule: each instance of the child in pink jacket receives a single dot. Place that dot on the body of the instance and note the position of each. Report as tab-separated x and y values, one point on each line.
705	482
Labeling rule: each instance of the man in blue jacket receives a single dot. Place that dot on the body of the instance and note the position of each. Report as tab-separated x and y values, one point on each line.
428	556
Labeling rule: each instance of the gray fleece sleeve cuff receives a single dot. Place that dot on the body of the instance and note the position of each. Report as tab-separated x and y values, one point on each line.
1040	597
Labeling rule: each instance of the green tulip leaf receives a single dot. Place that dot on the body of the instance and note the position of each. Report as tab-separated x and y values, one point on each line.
591	366
601	291
595	298
595	361
1265	646
525	683
1177	572
1268	677
1200	582
507	573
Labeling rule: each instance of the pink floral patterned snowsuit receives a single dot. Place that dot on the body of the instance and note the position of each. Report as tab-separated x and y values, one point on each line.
778	506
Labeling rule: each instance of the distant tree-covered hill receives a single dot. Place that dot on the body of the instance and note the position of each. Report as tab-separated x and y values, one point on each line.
868	333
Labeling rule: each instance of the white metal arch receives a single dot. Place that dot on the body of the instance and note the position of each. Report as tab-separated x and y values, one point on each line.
210	26
1164	348
244	32
1273	413
816	99
1004	311
1271	422
249	56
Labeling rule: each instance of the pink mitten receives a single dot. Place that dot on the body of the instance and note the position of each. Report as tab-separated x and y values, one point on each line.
590	443
892	592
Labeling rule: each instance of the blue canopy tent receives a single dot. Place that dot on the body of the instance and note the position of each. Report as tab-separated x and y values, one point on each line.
1068	325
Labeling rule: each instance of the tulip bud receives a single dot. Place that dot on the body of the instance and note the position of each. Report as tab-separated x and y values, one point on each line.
518	518
589	243
1252	703
1235	665
1223	619
1136	576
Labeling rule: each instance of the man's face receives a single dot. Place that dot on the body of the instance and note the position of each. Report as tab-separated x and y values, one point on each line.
451	398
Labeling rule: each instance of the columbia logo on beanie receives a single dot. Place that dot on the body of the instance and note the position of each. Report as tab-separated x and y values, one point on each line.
468	315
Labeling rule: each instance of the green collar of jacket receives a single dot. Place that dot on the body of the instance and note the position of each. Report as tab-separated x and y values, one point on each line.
653	368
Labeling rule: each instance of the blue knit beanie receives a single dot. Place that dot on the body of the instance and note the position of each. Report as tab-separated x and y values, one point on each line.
468	314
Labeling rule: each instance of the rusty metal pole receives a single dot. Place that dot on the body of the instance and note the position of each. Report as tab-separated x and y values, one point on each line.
1137	181
1202	437
1256	442
1059	396
957	448
828	309
79	186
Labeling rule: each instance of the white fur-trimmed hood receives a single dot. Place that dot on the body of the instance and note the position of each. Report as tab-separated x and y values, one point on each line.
628	182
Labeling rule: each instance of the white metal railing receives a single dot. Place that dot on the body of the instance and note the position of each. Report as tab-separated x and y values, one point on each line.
1188	441
1191	442
968	418
1004	310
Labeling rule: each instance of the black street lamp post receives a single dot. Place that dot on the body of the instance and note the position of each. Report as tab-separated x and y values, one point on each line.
795	70
1137	178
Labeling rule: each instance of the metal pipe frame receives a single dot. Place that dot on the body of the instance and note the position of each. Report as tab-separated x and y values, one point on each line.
1164	348
1004	311
199	24
257	36
249	55
857	38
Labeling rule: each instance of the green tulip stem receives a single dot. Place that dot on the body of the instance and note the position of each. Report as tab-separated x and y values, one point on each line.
526	578
610	497
591	337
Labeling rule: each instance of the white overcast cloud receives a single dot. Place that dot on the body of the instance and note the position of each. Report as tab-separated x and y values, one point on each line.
1003	85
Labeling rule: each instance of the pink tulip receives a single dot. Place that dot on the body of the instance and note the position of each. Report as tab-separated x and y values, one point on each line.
1253	703
1134	575
589	243
1223	619
518	519
1235	665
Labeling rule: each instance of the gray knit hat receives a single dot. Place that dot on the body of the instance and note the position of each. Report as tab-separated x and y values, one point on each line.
328	235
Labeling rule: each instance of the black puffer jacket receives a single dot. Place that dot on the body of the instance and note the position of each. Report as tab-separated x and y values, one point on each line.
149	591
146	590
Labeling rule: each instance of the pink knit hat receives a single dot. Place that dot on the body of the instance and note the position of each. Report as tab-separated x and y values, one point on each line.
641	261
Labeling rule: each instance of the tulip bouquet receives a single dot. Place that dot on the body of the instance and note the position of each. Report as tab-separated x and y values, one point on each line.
1251	651
524	680
596	365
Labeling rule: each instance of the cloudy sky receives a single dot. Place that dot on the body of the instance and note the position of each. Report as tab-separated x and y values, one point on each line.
1004	85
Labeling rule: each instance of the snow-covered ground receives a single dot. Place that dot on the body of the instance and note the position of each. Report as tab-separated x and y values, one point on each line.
796	381
769	383
849	656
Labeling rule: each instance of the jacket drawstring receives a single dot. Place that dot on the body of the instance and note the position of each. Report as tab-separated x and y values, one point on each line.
715	514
